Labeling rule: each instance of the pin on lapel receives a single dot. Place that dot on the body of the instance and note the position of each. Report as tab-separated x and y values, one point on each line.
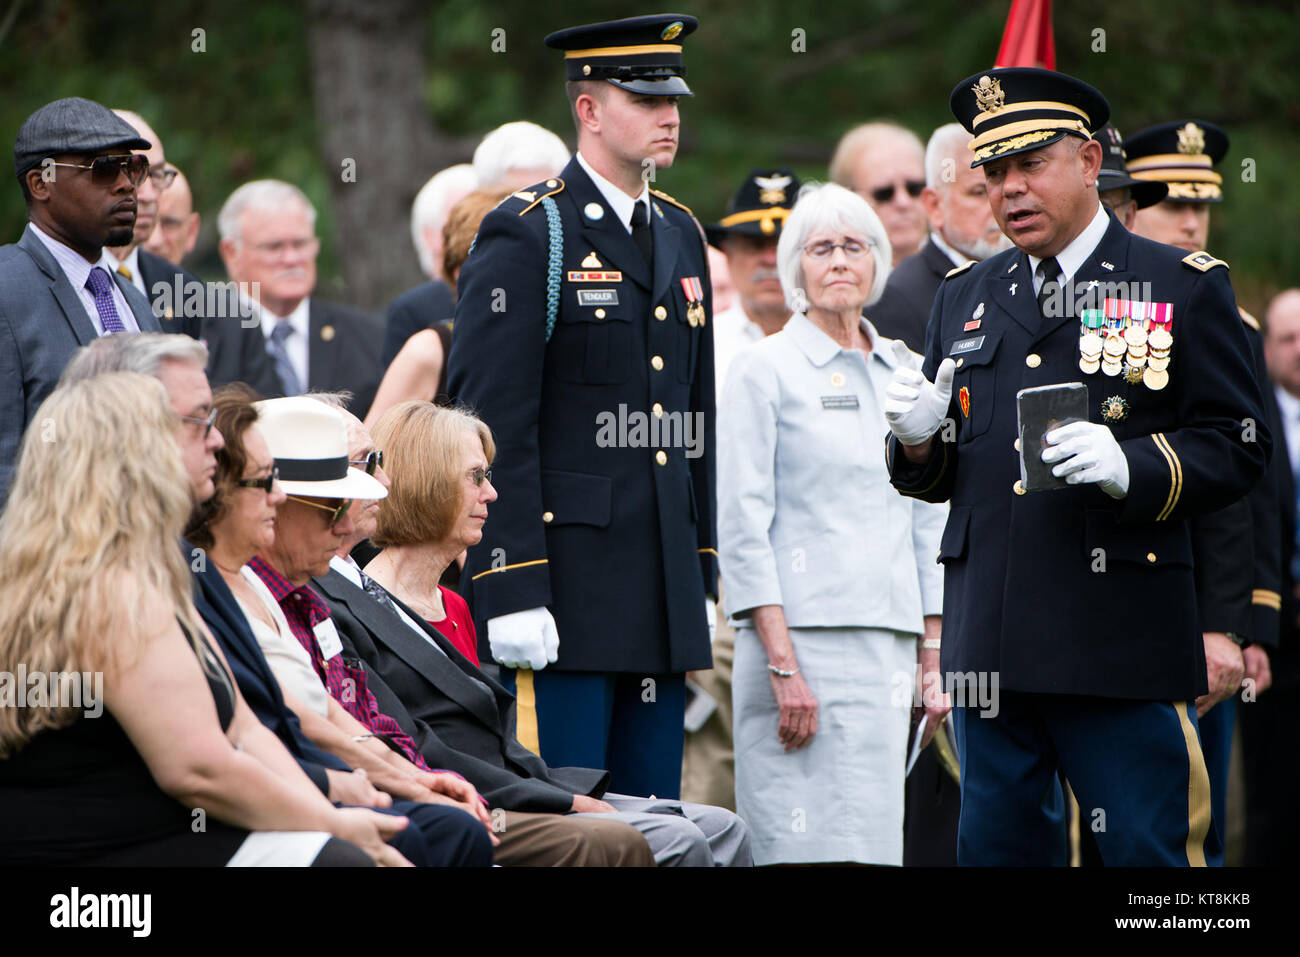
593	211
1013	288
1012	267
327	333
592	261
1109	267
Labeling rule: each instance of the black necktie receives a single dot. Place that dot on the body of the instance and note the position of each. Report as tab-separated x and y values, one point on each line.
641	232
1050	270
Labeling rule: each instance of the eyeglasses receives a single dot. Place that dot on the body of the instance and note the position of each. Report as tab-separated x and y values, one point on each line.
884	194
204	422
373	460
853	249
299	246
478	475
163	177
263	483
336	512
104	170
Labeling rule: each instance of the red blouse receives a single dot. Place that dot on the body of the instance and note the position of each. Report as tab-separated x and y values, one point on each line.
458	626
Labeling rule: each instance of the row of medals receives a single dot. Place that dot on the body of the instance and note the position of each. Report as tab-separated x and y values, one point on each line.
1138	355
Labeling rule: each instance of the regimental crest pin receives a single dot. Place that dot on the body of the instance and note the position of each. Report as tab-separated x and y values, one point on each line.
592	262
1114	409
963	399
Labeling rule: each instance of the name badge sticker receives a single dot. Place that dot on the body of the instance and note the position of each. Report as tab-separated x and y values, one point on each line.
839	401
327	636
598	297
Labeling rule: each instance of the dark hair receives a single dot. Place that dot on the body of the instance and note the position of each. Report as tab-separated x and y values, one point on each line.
575	88
235	415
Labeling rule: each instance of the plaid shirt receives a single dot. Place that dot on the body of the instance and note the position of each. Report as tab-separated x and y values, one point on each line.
344	678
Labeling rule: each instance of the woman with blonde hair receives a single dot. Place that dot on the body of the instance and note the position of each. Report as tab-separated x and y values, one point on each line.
157	760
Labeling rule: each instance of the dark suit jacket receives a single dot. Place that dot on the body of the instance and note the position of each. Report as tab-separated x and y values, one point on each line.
236	347
457	723
344	352
42	323
219	610
904	309
416	309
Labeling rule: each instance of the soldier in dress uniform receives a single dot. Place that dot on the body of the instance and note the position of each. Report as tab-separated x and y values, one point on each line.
584	340
1071	636
1237	550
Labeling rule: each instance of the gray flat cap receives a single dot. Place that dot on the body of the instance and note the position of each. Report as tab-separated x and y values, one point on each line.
72	125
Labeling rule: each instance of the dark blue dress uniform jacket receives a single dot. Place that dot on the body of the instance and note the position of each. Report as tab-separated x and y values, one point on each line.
621	548
1026	591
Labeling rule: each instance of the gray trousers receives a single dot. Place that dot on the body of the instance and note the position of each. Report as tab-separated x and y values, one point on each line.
700	836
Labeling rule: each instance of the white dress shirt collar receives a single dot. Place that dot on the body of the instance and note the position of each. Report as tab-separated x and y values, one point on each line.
348	568
296	345
958	259
620	202
77	270
1288	407
1074	255
132	264
820	348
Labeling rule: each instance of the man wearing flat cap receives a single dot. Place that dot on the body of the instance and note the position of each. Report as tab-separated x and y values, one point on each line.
584	338
58	292
1237	549
1073	599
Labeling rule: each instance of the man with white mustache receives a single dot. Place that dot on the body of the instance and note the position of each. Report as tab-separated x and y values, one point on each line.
962	230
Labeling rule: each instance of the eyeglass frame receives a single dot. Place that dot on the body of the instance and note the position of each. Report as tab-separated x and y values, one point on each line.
866	244
166	172
373	461
479	476
207	422
265	483
338	512
121	161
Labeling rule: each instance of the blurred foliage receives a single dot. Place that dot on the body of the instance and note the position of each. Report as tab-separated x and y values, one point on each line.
242	109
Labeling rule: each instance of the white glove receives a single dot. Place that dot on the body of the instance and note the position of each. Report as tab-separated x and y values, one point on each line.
711	613
1088	452
524	639
915	407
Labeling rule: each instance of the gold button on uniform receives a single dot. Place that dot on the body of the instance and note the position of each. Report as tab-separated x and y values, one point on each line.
661	313
1151	557
1033	360
1016	445
548	517
658	410
1018	488
960	362
661	457
600	313
657	363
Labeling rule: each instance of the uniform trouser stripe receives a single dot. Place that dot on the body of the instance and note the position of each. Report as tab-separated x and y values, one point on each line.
526	711
1198	789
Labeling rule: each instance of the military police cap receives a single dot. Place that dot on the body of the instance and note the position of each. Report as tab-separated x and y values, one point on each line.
1183	155
71	125
1016	109
1114	173
640	54
760	207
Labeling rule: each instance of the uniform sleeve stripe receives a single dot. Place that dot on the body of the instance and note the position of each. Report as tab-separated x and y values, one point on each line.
1175	474
506	568
708	551
1262	596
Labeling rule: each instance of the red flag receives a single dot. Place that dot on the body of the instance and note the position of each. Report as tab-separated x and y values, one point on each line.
1027	39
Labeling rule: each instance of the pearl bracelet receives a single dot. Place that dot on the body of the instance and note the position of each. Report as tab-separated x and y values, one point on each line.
782	674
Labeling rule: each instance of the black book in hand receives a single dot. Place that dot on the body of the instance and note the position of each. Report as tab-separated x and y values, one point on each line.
1039	411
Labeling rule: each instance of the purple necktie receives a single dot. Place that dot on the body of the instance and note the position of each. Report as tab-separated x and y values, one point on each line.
99	283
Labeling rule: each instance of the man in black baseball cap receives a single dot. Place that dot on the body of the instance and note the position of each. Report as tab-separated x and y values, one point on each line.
78	177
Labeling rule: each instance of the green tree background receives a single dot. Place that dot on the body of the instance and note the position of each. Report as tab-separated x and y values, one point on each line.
243	109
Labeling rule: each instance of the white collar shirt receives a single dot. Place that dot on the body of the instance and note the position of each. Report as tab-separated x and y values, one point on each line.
1074	255
77	270
620	202
298	342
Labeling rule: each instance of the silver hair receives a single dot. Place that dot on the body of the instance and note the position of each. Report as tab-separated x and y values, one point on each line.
259	194
948	142
144	353
335	400
431	206
518	145
822	205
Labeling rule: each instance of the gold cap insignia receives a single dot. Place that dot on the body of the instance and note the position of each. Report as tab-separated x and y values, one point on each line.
671	31
988	94
327	333
591	262
1191	140
771	189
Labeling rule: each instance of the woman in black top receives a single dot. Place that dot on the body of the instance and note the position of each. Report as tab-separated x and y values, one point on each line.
123	739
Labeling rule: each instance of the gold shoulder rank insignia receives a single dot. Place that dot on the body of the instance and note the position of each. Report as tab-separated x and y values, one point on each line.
1203	261
668	199
958	270
538	193
1248	319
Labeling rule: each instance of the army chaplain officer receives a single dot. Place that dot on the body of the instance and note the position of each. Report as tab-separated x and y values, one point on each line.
584	340
1079	600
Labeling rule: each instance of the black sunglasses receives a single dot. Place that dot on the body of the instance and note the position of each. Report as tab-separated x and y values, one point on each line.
885	193
104	170
263	483
373	460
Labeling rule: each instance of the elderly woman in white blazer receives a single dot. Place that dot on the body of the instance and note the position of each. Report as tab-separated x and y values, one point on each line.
829	574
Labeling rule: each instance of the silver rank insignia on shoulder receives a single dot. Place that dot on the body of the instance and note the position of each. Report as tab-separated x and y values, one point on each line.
593	211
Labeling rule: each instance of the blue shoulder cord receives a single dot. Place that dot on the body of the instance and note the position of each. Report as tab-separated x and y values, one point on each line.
555	233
